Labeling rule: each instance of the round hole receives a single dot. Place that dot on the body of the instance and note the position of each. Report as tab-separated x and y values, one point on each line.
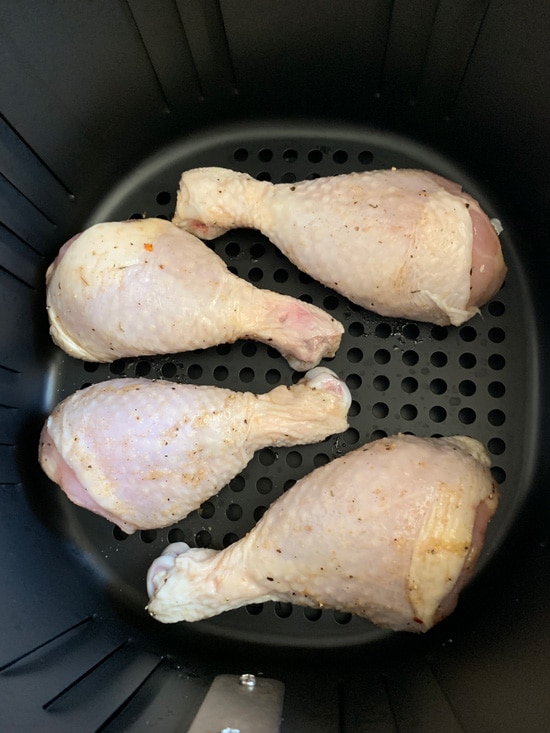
206	510
496	389
257	250
438	386
496	446
496	335
467	387
85	384
339	156
341	617
382	356
264	485
119	534
381	383
220	373
263	176
118	366
382	331
438	359
411	331
223	349
90	366
356	329
315	156
237	484
499	474
246	375
254	609
283	610
148	535
290	155
467	333
194	371
354	381
234	512
267	457
233	270
273	376
351	436
354	409
169	369
354	355
259	512
255	274
320	459
437	413
496	362
306	297
365	157
496	308
467	360
249	348
176	535
313	614
163	198
229	539
280	275
288	484
288	177
331	302
378	434
408	412
410	358
409	385
439	333
466	415
294	459
380	409
265	155
240	154
203	538
273	353
496	417
304	278
136	216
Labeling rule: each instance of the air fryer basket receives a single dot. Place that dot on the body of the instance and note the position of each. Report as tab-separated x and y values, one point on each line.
100	115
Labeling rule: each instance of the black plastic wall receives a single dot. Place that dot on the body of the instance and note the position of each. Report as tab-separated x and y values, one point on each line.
88	90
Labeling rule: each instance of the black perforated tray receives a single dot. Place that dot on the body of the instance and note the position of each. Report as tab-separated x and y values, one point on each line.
403	376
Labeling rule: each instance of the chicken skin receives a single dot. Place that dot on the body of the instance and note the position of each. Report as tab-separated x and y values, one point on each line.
402	243
145	453
145	287
390	531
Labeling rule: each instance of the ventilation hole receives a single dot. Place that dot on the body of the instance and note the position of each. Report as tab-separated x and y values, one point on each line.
288	484
163	216
234	512
496	389
467	387
351	436
496	362
273	353
411	331
320	459
340	156
365	157
148	535
237	484
290	155
312	176
382	356
438	359
118	366
163	198
496	417
408	412
220	373
467	333
143	368
354	409
223	349
496	335
229	539
265	155
240	154
119	534
304	278
246	375
331	302
356	329
313	614
409	385
439	333
85	385
341	617
264	485
90	366
233	270
194	371
381	383
315	156
283	610
294	459
255	274
203	538
380	409
169	370
467	360
257	250
354	355
499	474
496	308
259	512
496	446
176	535
206	510
288	177
378	434
137	216
264	176
354	381
273	376
254	609
467	416
306	298
249	348
438	386
267	457
280	275
382	330
437	413
410	358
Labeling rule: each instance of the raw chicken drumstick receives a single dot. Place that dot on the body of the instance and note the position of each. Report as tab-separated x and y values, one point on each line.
146	287
390	531
145	453
403	243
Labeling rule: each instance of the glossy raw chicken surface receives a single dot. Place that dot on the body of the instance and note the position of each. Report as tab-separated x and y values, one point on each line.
390	531
403	243
145	453
146	287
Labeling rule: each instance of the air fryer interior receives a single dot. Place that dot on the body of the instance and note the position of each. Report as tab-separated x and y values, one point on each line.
105	138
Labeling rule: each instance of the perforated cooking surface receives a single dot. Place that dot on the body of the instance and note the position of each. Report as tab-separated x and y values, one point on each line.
403	376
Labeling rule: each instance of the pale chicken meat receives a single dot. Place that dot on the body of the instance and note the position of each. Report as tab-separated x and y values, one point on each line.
402	243
144	453
146	287
390	531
